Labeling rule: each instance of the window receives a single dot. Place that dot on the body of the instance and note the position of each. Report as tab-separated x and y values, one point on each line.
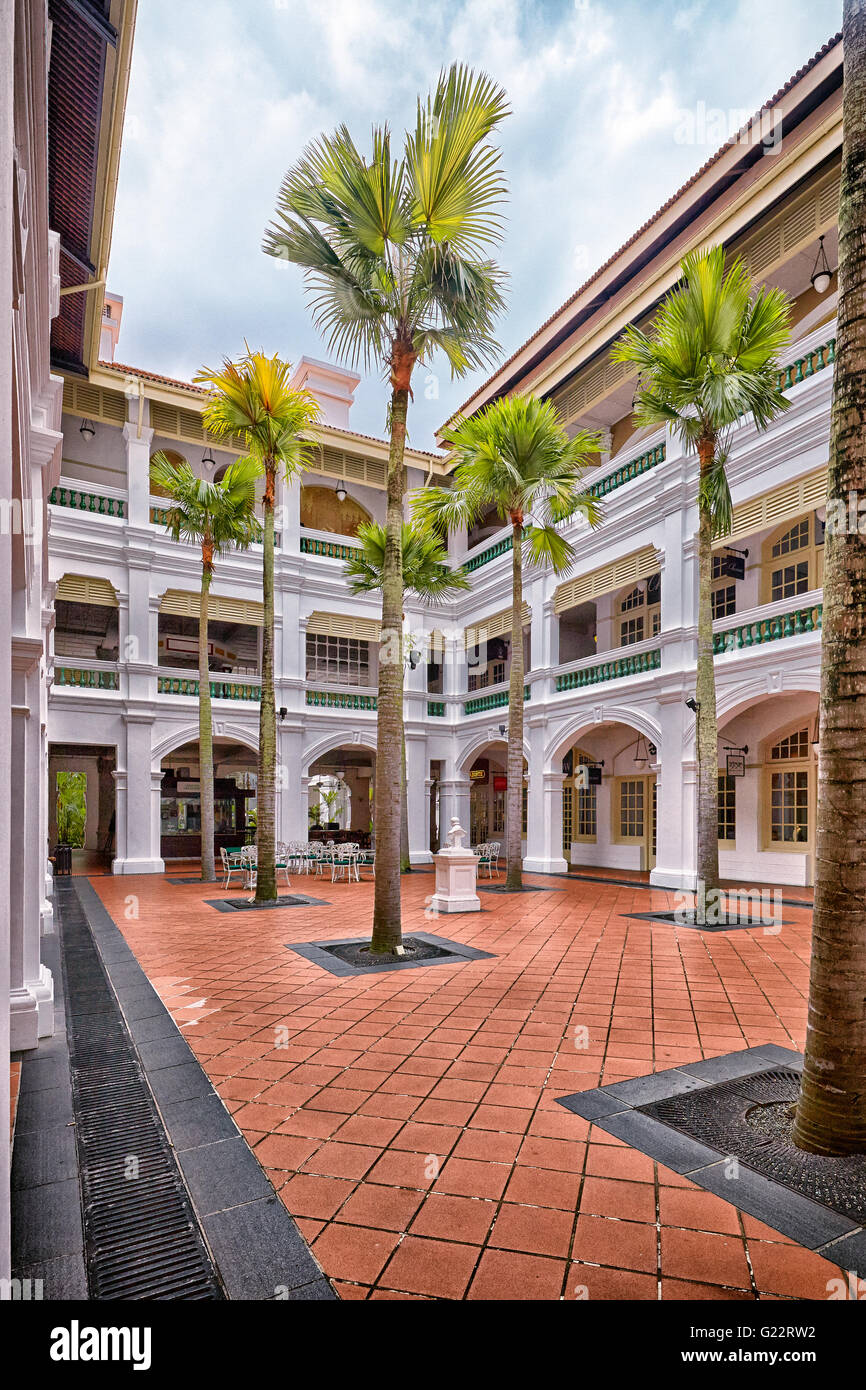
631	809
727	808
633	599
337	660
630	631
724	601
789	791
793	560
587	810
524	811
567	819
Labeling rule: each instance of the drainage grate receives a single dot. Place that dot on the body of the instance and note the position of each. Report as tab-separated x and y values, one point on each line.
748	1118
141	1236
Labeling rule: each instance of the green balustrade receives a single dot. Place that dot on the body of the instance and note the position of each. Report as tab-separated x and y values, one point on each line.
436	709
333	550
628	471
814	361
637	664
756	634
220	690
86	679
496	701
340	699
83	501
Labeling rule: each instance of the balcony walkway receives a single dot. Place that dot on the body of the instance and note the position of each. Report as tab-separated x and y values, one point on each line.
409	1121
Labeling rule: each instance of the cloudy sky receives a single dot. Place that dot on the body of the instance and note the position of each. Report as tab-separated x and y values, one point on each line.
615	103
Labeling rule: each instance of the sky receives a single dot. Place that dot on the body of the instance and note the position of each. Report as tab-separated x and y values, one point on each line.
615	103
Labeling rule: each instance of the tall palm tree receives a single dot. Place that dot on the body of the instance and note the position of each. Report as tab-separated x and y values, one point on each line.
252	399
831	1112
516	457
394	253
710	359
218	517
426	576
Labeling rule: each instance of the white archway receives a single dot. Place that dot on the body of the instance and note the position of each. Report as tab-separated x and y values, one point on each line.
569	733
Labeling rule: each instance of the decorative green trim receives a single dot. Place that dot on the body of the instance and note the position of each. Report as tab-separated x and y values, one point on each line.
336	699
500	548
332	549
628	471
769	630
220	690
87	502
85	679
485	702
636	665
815	361
436	709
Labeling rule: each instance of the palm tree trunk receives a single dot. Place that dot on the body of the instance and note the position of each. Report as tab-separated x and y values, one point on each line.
387	925
831	1112
706	731
205	723
405	860
514	766
266	878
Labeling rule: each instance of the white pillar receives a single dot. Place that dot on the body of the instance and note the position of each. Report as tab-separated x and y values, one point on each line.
138	450
675	791
544	824
138	802
418	798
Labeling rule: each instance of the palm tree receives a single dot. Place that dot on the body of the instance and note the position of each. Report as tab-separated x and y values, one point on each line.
252	399
425	575
711	358
516	457
217	516
394	253
831	1112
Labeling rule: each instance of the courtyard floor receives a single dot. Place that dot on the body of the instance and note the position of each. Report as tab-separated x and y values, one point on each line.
408	1119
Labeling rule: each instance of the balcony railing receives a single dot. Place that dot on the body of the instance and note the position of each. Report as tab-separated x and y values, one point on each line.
771	627
594	673
86	678
496	700
331	549
220	690
341	699
813	360
85	500
436	709
611	481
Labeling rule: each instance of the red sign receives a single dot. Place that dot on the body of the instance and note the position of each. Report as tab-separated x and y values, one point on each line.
500	784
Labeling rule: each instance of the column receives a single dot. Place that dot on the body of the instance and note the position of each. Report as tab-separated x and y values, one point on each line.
138	802
676	793
457	546
138	451
544	825
31	989
418	798
288	515
453	801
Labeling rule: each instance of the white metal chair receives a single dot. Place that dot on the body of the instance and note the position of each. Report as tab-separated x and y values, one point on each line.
233	863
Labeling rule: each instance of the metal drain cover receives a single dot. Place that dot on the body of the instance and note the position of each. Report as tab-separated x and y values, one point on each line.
748	1119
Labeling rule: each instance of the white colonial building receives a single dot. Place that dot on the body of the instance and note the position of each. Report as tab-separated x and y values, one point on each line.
610	651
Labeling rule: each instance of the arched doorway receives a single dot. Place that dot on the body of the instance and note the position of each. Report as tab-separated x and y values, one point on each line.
180	803
81	802
488	793
340	795
609	798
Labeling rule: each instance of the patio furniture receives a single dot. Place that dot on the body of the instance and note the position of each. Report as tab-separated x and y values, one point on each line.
344	862
232	863
487	854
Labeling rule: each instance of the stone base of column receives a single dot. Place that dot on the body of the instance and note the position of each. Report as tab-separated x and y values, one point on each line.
31	1012
545	866
420	856
685	879
138	866
46	919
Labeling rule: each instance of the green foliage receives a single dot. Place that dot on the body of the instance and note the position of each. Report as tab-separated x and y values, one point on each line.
711	357
516	457
199	511
425	568
393	249
71	808
253	398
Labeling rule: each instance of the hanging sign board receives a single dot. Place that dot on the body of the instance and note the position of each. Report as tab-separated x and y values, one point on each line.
735	764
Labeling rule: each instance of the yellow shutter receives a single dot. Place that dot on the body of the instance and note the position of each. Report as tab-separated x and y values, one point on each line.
94	402
343	625
226	610
79	588
497	625
782	504
631	568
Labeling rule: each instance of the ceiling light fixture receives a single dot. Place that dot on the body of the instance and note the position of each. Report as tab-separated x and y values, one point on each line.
822	274
87	428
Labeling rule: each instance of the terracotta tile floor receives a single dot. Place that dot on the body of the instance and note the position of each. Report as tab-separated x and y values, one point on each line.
408	1119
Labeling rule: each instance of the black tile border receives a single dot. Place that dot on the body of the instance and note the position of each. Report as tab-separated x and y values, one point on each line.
660	887
665	919
315	951
231	1194
287	901
527	888
614	1109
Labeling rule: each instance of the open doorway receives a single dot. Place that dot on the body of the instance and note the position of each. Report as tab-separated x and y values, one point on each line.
81	804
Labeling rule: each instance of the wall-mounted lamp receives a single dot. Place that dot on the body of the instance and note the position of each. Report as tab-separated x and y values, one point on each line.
822	274
693	705
414	657
502	729
87	428
282	712
341	491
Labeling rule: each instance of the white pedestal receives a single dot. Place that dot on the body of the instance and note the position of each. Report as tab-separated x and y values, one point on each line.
456	873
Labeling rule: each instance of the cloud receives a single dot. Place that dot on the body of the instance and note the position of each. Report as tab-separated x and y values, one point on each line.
225	95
